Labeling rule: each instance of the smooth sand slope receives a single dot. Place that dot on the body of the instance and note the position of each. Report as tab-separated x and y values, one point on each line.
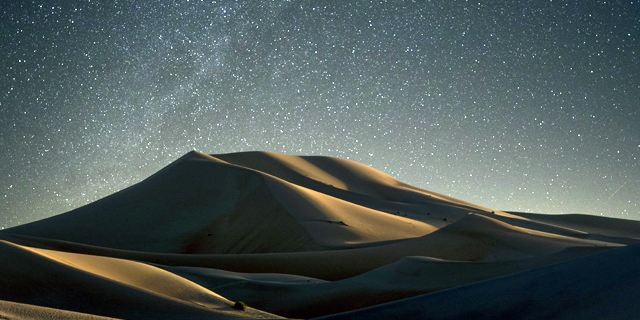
105	286
601	286
299	237
13	310
473	238
308	297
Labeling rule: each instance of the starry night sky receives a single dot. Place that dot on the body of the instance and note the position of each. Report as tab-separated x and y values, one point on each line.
514	105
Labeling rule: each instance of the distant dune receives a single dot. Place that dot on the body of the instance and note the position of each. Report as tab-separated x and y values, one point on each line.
305	237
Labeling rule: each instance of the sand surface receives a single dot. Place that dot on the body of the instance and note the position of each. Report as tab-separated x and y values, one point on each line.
305	237
600	286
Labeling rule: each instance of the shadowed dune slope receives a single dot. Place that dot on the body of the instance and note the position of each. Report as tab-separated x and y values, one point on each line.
473	238
170	211
600	286
612	227
307	297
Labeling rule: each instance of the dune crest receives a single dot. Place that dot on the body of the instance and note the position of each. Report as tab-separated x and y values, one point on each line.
225	204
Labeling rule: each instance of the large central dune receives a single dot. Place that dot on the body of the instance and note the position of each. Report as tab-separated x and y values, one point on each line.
300	237
203	204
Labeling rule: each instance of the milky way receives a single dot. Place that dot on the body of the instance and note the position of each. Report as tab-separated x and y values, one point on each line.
524	105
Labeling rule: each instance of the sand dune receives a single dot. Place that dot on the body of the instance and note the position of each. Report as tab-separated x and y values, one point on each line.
303	297
200	204
295	236
105	286
601	286
333	175
589	224
474	238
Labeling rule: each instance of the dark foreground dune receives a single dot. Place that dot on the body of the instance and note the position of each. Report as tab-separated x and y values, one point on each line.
602	286
305	237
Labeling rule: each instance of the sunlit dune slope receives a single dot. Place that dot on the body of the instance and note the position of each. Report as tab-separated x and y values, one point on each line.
104	286
14	310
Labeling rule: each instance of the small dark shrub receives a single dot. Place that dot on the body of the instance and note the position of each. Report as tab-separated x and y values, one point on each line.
240	305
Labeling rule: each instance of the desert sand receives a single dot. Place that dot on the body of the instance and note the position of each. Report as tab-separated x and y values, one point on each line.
305	237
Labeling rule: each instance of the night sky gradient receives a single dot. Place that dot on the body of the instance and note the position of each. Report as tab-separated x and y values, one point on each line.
513	105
